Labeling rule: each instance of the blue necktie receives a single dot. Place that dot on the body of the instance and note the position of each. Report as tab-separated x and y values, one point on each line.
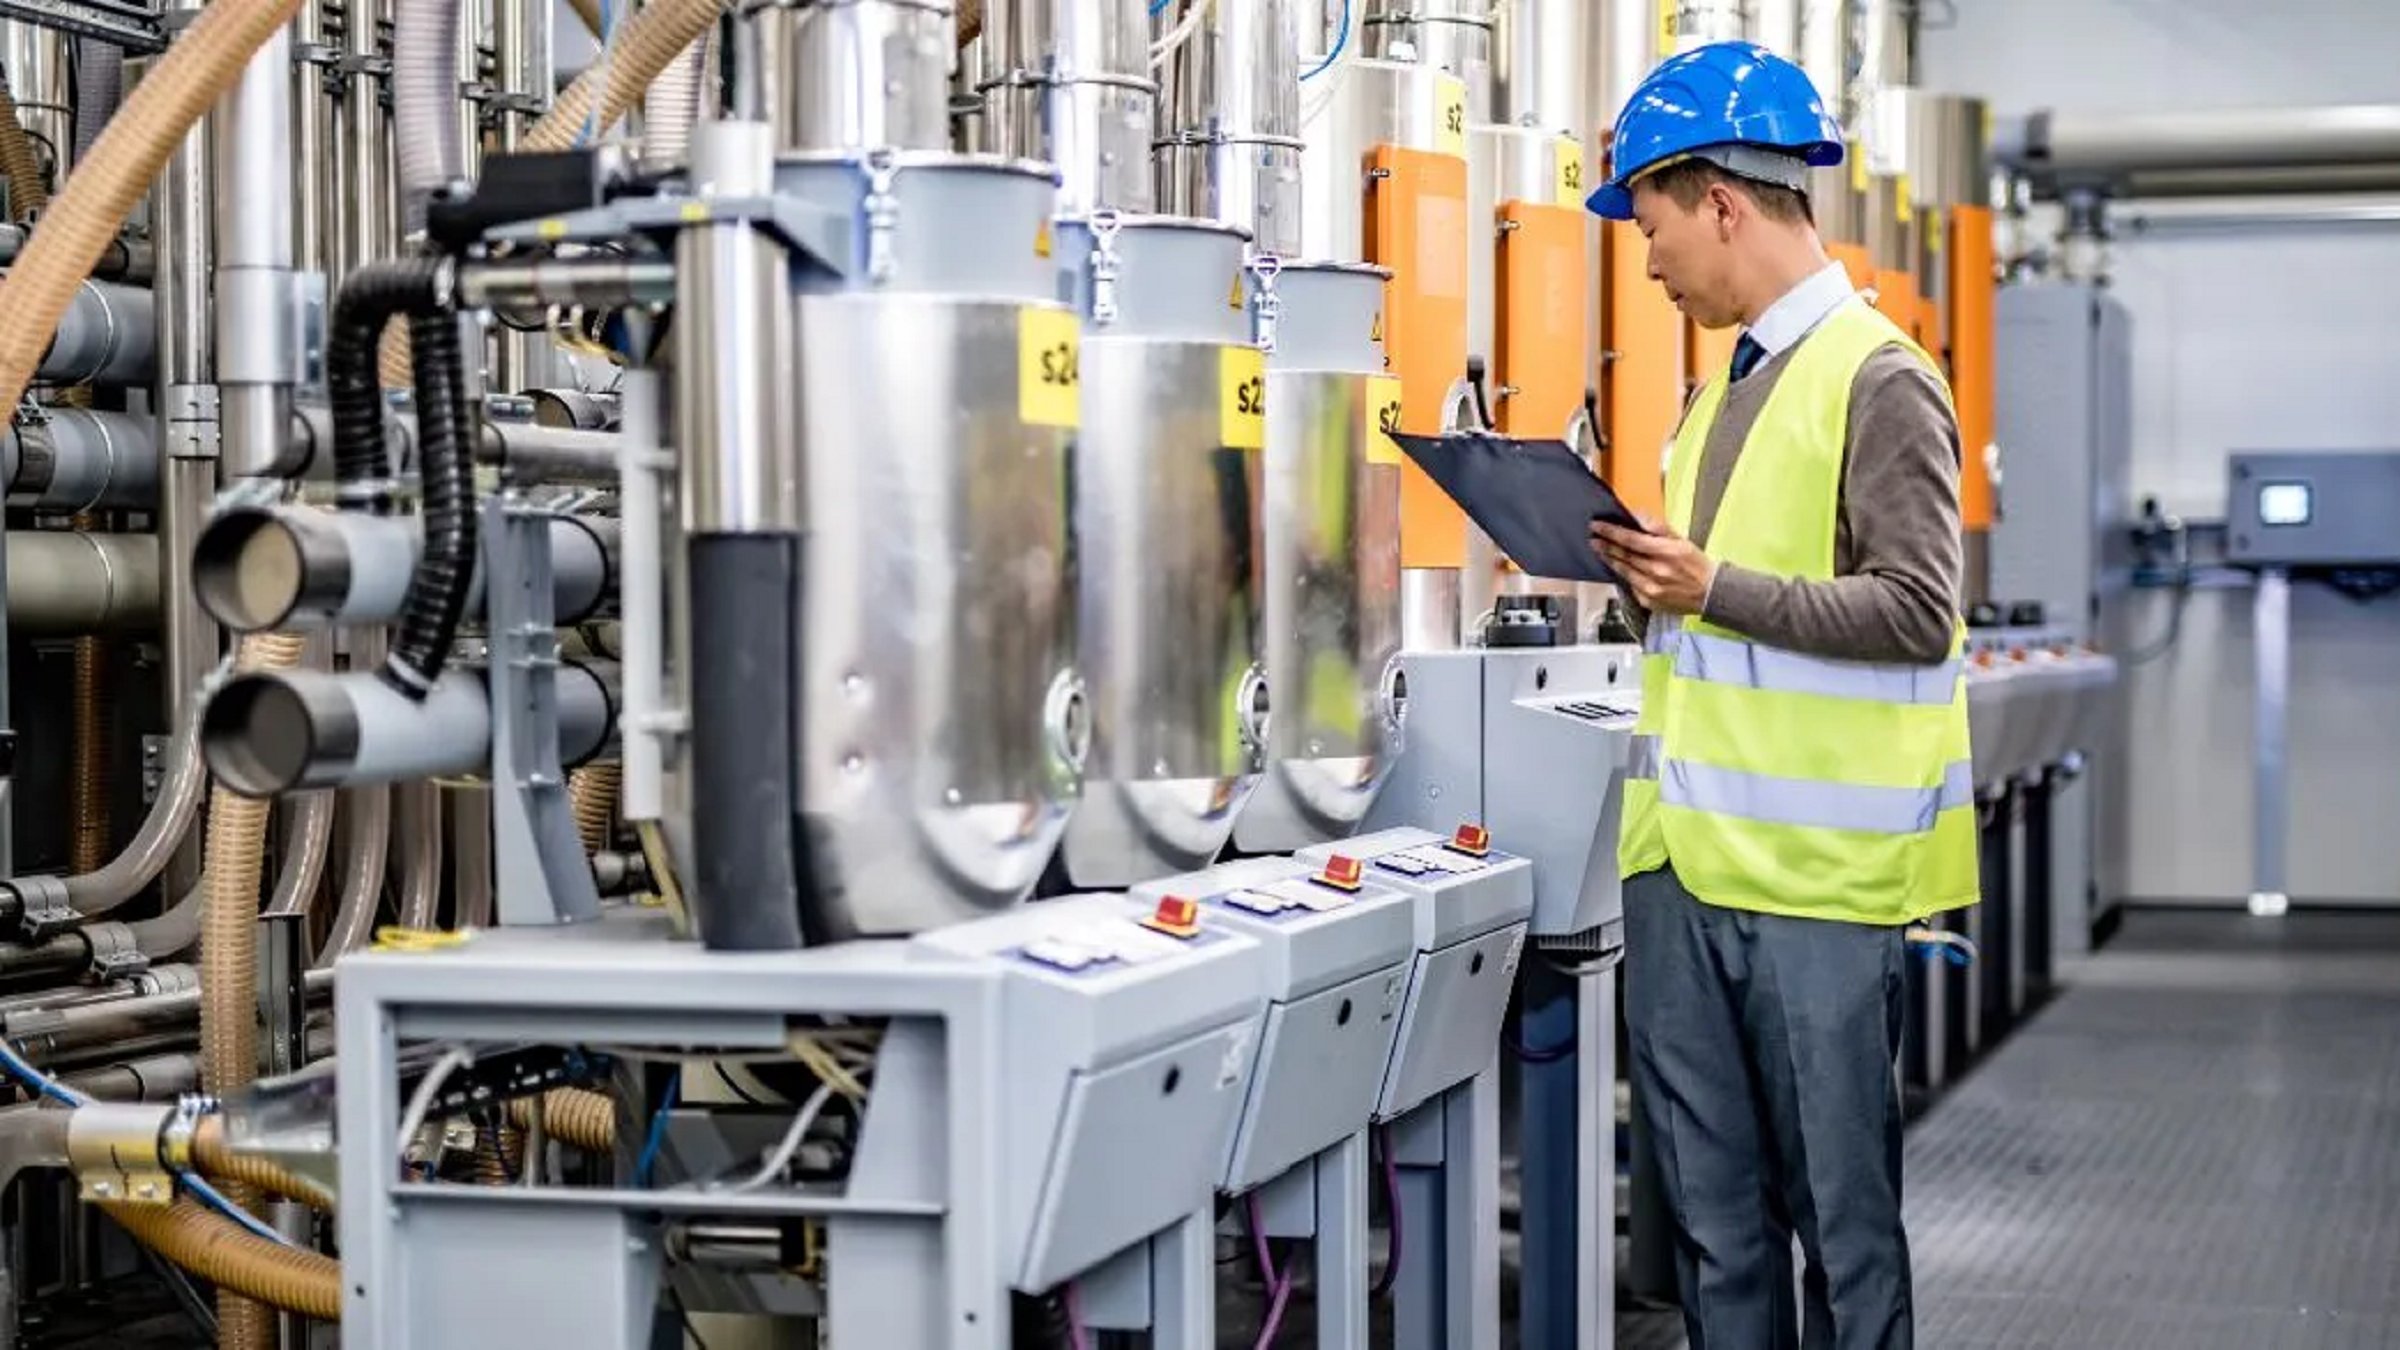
1746	356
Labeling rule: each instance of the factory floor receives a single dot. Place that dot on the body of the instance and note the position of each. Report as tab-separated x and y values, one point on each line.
2197	1145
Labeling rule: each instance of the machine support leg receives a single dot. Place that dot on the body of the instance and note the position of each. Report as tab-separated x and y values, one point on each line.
2271	641
1567	1180
1183	1283
2041	898
1420	1298
1341	1181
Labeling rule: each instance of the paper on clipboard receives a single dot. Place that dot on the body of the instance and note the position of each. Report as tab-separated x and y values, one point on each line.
1536	499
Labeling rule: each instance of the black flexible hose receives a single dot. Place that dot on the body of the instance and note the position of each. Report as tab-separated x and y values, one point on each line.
437	590
370	297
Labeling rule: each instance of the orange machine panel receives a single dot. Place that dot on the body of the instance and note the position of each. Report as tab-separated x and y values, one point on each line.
1896	296
1641	385
1853	258
1417	227
1707	351
1970	255
1539	355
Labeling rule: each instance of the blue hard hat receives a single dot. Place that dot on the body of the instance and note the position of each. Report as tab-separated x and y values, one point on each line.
1726	94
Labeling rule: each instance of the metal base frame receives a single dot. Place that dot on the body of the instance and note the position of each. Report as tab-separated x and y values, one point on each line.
1447	1295
1567	1180
916	1233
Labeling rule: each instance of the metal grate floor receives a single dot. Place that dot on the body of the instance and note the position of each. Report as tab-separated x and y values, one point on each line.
2196	1146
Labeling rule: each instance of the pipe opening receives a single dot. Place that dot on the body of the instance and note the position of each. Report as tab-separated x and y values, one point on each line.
262	734
253	569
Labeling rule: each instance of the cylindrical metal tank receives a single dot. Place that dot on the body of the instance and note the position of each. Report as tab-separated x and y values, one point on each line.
1447	35
934	391
848	74
1231	149
1825	44
1332	565
1072	85
1384	179
1166	483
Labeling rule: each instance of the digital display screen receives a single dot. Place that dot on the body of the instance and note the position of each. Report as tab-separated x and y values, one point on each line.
2285	504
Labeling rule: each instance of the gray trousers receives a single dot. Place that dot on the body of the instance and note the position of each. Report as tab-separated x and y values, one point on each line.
1764	1053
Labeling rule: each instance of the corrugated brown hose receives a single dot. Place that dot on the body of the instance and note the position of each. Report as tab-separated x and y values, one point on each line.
592	796
18	162
233	871
645	44
249	1267
588	1120
83	219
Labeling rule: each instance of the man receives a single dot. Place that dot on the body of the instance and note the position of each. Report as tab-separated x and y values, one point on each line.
1799	788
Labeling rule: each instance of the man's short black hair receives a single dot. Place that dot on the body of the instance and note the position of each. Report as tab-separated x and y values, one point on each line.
1687	180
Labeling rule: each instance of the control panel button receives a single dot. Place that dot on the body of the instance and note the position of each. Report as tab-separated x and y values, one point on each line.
1341	872
1176	916
1473	840
1406	864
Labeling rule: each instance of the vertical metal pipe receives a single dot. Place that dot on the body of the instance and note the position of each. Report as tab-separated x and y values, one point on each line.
1233	151
257	332
1077	91
736	349
373	218
2271	641
857	74
1775	25
1538	58
40	66
188	422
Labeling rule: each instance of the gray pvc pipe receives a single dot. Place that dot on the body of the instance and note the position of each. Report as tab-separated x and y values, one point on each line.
109	336
310	831
276	731
63	582
256	568
425	101
366	839
420	853
81	459
2100	143
530	452
174	932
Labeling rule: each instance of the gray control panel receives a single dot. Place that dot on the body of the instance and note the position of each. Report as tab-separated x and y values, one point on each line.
1337	951
1531	742
1470	933
1128	1051
2304	508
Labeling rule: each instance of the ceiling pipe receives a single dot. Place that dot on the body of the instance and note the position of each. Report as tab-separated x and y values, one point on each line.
2089	146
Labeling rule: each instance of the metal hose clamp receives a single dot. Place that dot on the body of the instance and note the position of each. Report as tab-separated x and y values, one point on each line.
1266	307
882	210
1106	265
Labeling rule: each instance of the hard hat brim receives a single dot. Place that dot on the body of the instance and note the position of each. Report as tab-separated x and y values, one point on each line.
1610	201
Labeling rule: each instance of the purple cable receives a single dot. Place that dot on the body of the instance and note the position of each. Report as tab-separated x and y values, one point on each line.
1279	1285
1077	1339
1391	1202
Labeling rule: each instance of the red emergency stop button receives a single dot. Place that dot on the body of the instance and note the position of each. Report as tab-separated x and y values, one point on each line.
1176	916
1342	873
1473	840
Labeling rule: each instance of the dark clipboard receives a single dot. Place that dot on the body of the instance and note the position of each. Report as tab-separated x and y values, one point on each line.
1536	499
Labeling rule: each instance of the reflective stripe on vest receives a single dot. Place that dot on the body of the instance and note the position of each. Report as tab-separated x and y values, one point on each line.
1728	660
1796	801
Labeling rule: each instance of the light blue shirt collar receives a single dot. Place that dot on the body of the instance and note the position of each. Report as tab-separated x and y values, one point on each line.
1797	313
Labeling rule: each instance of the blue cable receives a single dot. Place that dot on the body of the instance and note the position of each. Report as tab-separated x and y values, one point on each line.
206	1194
658	1131
1340	40
1158	7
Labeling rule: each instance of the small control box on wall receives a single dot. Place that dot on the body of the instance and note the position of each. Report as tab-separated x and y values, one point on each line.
2312	508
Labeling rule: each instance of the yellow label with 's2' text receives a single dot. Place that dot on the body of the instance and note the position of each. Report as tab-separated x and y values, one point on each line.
1242	379
1049	367
1383	418
1450	115
1568	154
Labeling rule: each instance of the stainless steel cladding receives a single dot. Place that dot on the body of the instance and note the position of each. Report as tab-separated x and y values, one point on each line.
1232	151
1373	103
733	392
941	725
1072	85
849	74
1698	22
1332	551
1447	35
1541	50
1166	472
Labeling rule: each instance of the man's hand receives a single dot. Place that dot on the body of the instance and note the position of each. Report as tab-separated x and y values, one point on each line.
1667	572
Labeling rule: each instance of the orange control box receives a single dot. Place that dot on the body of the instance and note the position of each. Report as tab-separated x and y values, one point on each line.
1641	376
1417	227
1539	358
1971	338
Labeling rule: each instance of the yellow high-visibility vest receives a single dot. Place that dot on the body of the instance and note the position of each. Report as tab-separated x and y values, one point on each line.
1778	781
